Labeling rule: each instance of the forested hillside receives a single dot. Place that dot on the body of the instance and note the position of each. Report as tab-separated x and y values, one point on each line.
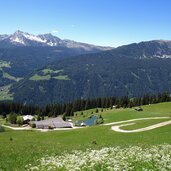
22	53
131	70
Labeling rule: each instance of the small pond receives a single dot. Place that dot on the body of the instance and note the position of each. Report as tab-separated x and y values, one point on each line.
90	121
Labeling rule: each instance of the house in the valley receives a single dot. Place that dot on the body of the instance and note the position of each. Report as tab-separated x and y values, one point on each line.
27	118
52	123
82	124
69	119
138	109
114	106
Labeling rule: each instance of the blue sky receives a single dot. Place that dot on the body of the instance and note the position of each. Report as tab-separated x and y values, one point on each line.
101	22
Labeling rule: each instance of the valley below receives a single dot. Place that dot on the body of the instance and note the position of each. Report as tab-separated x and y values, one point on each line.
34	150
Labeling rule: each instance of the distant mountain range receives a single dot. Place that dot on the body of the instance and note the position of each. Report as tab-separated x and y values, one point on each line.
20	38
45	69
131	70
21	53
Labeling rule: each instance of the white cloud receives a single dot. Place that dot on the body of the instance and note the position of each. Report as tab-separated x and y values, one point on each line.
55	31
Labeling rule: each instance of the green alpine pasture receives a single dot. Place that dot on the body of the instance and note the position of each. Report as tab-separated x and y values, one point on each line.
5	94
10	77
37	77
4	64
49	71
48	77
144	123
19	148
47	74
62	77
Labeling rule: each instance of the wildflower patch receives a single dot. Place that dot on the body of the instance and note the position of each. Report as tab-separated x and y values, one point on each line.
109	159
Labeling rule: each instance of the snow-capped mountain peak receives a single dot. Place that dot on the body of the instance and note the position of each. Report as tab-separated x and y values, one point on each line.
17	37
50	40
20	38
23	38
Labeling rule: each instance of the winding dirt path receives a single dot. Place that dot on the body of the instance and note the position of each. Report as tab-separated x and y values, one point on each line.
17	128
117	128
132	120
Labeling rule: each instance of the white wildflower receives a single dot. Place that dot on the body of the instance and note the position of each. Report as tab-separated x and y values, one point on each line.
109	159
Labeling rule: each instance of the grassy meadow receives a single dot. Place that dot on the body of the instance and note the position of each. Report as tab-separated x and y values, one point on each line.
20	148
47	74
5	94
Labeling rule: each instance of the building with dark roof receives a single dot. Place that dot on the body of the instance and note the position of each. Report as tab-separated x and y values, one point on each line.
138	109
52	123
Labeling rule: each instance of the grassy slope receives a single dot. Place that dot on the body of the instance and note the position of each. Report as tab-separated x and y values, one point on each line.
10	77
4	64
144	123
49	71
62	77
5	94
85	114
47	75
27	146
162	109
39	77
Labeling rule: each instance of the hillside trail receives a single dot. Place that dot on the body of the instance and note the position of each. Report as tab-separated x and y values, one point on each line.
117	128
131	120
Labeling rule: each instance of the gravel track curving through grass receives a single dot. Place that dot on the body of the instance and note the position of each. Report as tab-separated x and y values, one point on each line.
117	128
132	120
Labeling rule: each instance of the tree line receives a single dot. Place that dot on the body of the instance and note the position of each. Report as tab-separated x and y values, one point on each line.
68	109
